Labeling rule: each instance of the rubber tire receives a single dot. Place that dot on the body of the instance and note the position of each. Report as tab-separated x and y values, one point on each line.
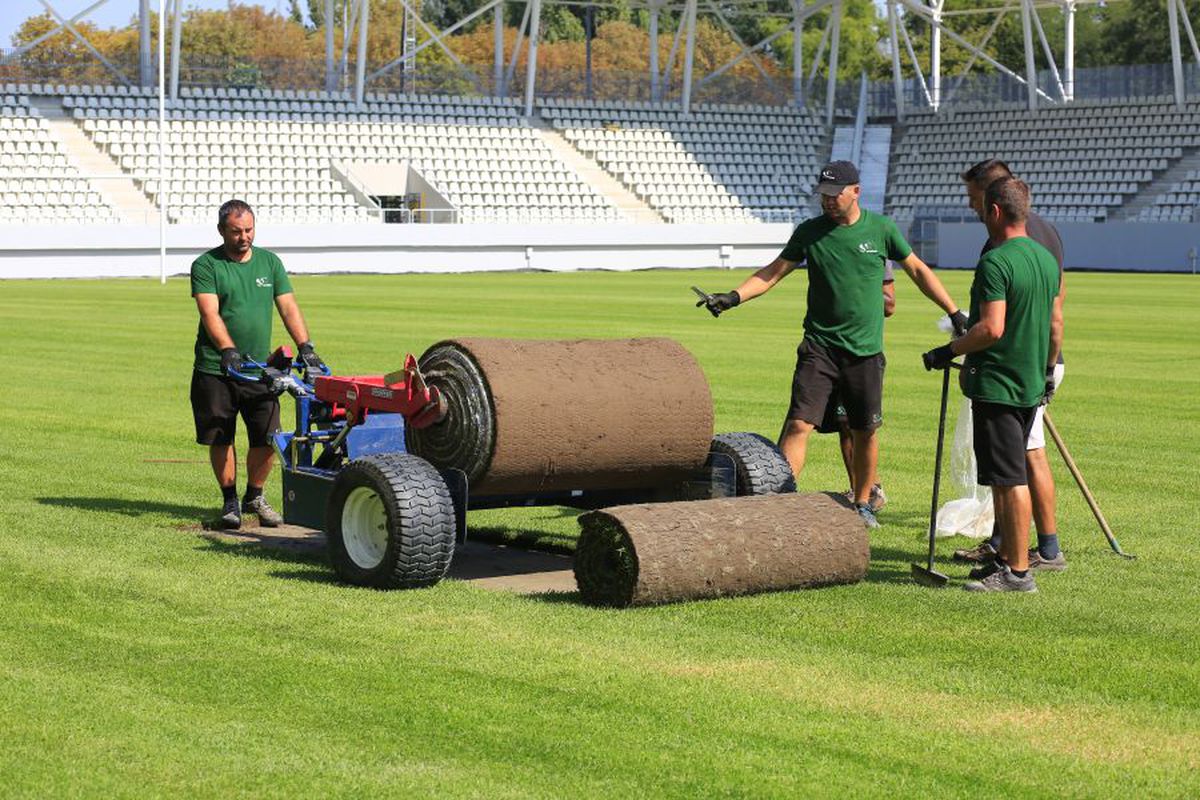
416	514
760	466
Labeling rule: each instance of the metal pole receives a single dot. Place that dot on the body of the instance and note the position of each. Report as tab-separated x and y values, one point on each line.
835	35
360	62
330	64
689	56
535	23
1176	55
654	6
498	50
797	54
589	23
162	140
935	56
897	75
1069	47
1030	66
176	37
144	65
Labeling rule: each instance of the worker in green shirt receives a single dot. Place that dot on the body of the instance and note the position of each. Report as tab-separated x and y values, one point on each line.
845	250
235	286
1013	339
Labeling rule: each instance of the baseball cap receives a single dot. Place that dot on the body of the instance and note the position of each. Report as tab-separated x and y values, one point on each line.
835	176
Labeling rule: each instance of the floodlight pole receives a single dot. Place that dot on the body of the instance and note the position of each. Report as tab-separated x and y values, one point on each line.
935	54
835	36
897	75
689	55
1030	65
144	64
798	53
1069	48
535	20
498	50
654	91
330	63
1176	54
176	37
360	61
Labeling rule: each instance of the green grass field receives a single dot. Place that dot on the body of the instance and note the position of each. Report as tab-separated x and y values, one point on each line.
139	659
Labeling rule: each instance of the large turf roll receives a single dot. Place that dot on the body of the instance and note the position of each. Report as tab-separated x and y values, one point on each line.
527	416
666	552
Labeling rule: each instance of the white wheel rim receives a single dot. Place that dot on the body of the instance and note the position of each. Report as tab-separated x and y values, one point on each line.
364	528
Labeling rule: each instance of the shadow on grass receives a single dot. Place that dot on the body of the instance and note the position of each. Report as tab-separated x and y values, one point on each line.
527	540
129	508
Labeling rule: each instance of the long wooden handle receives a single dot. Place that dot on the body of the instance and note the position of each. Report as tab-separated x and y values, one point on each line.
1083	487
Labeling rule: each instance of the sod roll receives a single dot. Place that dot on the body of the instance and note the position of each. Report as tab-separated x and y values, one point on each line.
527	416
654	553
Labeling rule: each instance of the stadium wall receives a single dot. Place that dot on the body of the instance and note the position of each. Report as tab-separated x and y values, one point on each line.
133	251
1134	246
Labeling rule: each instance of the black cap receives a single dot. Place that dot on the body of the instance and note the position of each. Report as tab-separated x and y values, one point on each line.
835	176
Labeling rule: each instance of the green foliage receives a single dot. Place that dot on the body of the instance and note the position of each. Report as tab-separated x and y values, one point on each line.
142	660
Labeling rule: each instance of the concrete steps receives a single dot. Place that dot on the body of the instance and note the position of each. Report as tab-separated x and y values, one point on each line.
1147	194
118	191
629	204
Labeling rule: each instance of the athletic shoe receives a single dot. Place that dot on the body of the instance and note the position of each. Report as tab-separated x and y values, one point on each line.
878	498
985	568
231	517
979	554
1003	580
868	516
1056	564
267	516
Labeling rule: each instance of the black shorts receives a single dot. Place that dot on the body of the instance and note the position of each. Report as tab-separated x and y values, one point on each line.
1000	433
825	375
835	416
217	401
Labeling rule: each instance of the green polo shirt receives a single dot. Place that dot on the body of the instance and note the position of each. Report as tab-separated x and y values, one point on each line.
845	271
246	293
1012	371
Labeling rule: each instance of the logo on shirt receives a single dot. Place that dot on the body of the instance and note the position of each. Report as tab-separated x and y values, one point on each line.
868	248
262	283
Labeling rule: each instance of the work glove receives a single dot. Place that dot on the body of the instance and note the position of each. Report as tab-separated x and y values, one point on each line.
312	361
1048	395
231	360
959	321
722	301
938	357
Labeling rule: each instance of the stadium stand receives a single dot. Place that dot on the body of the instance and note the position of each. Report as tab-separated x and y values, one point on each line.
1084	161
721	163
38	184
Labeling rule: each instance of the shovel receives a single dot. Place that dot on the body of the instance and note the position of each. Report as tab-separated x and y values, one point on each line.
925	574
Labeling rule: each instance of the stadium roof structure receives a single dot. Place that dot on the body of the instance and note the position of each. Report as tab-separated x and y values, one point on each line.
941	22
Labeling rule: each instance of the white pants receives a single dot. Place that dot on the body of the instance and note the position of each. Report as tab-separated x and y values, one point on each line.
1037	436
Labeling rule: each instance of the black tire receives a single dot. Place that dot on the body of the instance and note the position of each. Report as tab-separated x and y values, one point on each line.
761	468
390	523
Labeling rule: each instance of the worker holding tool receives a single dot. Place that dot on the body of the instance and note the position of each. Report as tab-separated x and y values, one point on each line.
841	354
1047	556
235	286
1014	335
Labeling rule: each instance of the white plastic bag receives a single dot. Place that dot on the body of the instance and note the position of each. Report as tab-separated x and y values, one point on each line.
970	513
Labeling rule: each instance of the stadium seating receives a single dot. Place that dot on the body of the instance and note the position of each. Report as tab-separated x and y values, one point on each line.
1082	161
38	185
720	163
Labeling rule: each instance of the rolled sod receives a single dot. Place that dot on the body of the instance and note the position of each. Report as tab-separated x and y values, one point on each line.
527	415
655	553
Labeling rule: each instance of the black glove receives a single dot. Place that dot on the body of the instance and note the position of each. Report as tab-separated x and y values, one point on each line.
722	301
959	321
938	357
312	361
231	360
1048	395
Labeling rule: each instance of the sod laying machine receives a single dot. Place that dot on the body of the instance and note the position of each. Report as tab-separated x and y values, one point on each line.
389	465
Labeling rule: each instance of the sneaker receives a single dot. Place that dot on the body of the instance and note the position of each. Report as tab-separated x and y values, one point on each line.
1056	564
1003	580
978	554
267	516
985	568
878	498
868	516
231	517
